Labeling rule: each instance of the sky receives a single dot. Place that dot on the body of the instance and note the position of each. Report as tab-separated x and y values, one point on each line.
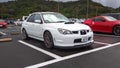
65	0
108	3
4	0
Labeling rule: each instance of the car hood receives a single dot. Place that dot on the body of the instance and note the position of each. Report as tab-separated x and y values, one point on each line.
75	26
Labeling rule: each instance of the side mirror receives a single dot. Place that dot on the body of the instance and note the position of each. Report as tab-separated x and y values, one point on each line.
38	21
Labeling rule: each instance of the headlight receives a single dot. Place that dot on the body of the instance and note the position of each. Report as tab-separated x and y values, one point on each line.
64	31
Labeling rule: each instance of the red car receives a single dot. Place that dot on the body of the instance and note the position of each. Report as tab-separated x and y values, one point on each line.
3	24
106	24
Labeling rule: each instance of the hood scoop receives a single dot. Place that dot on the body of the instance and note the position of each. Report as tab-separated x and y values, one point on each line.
69	22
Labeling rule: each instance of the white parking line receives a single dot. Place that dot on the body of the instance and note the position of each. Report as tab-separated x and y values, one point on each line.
39	49
102	43
71	56
3	33
106	35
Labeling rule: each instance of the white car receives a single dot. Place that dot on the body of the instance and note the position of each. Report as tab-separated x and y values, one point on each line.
56	30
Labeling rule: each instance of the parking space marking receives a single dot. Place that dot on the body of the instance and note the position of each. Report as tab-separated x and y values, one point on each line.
39	49
101	43
107	35
72	56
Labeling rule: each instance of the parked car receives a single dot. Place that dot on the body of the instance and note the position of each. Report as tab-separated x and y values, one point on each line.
106	24
24	18
9	21
115	15
18	22
3	24
56	30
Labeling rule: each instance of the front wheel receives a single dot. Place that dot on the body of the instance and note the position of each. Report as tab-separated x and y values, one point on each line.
116	30
48	40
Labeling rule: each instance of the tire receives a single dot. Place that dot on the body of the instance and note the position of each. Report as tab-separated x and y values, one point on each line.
24	35
48	40
116	30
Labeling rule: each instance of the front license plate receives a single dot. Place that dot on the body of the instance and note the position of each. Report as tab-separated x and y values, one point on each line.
85	39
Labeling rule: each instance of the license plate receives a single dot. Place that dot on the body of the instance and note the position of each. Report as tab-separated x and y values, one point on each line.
85	39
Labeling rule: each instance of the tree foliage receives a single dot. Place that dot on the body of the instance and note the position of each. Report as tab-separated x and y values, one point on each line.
19	8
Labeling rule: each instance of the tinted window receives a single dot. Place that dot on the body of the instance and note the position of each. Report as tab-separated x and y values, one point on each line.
37	17
31	18
34	17
98	19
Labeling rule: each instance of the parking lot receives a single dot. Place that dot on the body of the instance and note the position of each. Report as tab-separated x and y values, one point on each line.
32	53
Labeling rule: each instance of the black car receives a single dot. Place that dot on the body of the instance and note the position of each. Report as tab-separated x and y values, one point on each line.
115	15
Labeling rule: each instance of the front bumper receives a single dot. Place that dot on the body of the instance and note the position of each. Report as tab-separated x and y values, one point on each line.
73	41
76	46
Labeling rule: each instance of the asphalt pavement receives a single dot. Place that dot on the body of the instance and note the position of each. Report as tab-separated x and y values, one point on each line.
32	53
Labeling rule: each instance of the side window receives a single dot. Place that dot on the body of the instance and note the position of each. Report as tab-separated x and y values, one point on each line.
37	17
31	18
34	17
98	19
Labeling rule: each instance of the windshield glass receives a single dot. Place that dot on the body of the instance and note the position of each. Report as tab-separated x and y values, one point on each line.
54	18
109	18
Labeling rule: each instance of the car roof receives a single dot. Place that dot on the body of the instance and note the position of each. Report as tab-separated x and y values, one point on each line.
42	12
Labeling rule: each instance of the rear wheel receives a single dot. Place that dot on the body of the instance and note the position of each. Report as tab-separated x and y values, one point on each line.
24	34
116	30
48	40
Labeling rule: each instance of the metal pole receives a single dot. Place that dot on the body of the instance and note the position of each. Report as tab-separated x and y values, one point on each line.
96	10
87	9
58	6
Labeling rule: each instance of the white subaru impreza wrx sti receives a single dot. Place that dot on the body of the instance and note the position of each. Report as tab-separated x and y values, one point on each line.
56	30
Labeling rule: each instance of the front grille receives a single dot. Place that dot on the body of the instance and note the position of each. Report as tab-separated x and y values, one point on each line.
77	40
75	32
83	32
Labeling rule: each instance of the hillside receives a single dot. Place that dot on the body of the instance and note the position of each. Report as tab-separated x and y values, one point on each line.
18	8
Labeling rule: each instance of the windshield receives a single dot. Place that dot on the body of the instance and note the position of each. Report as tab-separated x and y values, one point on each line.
54	18
109	18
